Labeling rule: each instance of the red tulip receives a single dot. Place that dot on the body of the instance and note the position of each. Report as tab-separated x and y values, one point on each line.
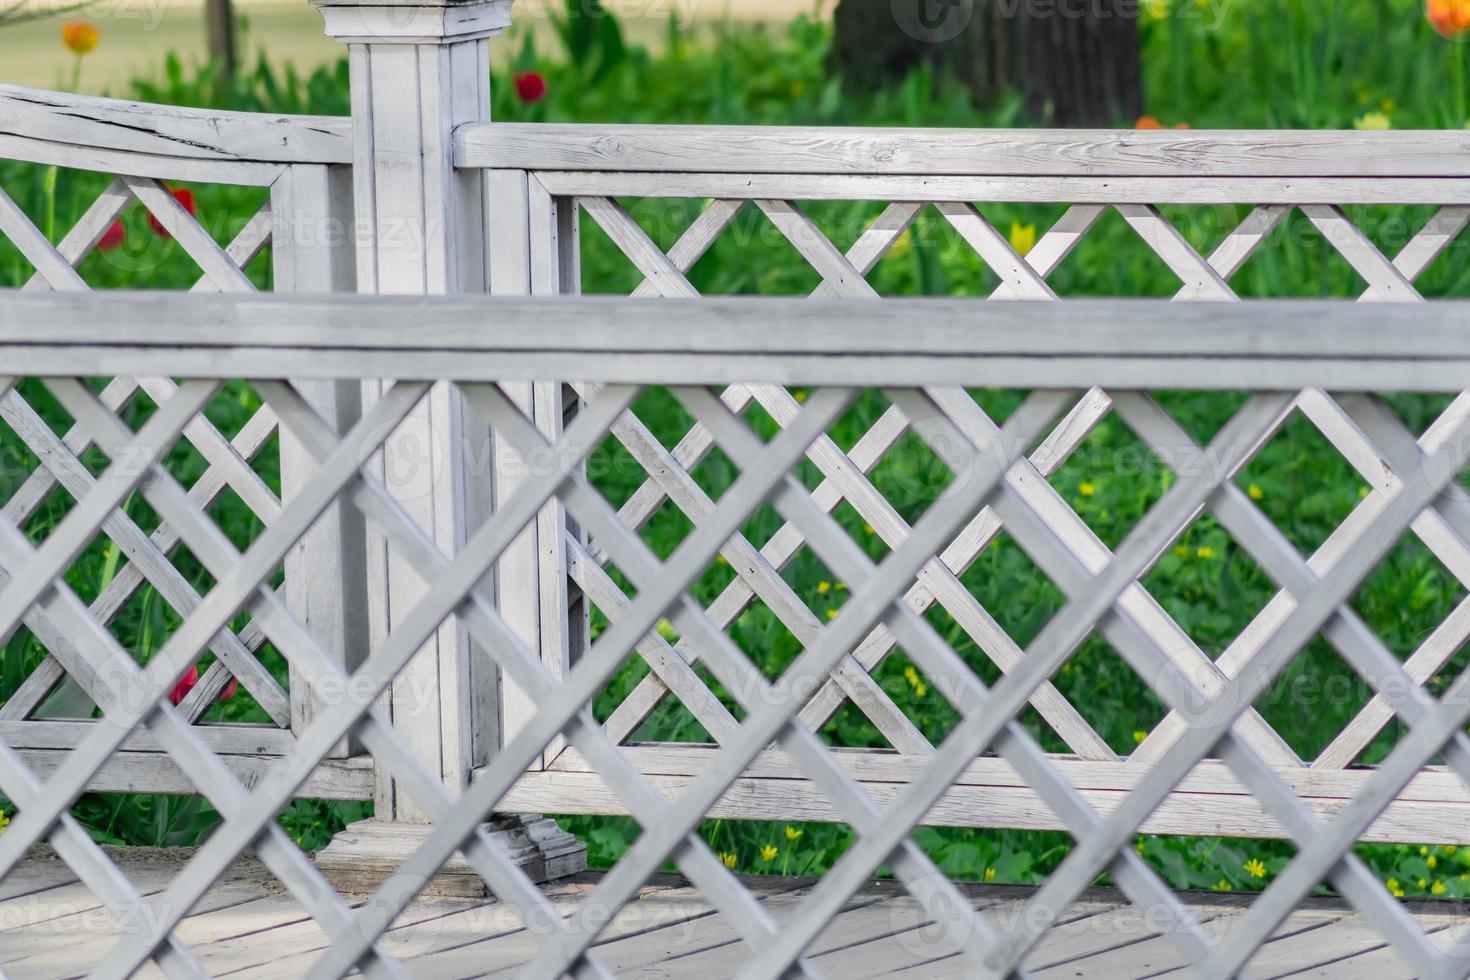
184	686
230	689
112	239
531	86
185	197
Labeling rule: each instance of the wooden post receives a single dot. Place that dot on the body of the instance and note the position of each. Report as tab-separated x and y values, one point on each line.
417	72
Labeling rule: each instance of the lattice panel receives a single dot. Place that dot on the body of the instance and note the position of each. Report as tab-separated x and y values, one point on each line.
138	575
996	485
672	481
1025	277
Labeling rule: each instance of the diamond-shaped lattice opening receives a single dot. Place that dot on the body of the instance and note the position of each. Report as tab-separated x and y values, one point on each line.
1313	699
1111	480
1303	483
1110	695
1116	262
1014	592
1300	259
1411	603
911	476
1209	585
144	251
919	697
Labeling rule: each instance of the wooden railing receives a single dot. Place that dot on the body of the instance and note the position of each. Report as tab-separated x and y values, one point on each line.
449	588
615	352
304	225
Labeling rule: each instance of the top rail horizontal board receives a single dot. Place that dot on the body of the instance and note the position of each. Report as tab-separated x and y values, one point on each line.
963	152
1261	345
170	132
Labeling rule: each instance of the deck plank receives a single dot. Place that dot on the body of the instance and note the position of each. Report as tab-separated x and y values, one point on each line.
247	927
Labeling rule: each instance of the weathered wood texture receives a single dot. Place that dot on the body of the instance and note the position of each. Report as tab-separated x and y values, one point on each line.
51	925
736	150
1212	767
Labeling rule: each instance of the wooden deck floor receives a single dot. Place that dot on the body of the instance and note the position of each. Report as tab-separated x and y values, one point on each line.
50	926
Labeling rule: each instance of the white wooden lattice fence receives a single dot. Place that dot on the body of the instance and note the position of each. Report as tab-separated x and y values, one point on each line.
481	346
363	585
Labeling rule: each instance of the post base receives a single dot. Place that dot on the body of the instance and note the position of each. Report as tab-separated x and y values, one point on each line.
365	854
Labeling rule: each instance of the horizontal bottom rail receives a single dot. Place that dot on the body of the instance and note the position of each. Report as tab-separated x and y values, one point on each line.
1433	809
154	772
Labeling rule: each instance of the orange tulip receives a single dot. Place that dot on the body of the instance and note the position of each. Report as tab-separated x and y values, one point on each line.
1149	122
1450	17
81	38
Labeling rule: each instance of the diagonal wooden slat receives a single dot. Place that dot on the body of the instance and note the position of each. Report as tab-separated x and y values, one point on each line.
1057	243
1201	281
797	227
696	239
1385	282
215	261
89	229
1019	279
25	236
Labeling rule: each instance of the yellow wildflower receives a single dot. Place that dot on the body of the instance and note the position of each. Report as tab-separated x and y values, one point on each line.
1423	850
989	874
801	396
4	821
728	859
793	834
1362	493
666	630
1255	492
769	852
868	529
1256	868
1372	121
1449	850
1438	888
1023	237
823	588
1139	736
1181	552
831	613
1394	888
1205	552
1432	862
1087	489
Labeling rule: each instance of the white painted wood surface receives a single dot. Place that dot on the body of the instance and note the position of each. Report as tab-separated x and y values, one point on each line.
945	152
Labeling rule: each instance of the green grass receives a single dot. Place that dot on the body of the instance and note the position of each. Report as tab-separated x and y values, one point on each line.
1268	63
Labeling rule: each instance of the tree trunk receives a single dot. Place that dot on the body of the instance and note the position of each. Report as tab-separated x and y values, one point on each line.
220	31
1075	62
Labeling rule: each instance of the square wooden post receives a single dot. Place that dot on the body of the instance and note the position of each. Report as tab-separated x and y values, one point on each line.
418	71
